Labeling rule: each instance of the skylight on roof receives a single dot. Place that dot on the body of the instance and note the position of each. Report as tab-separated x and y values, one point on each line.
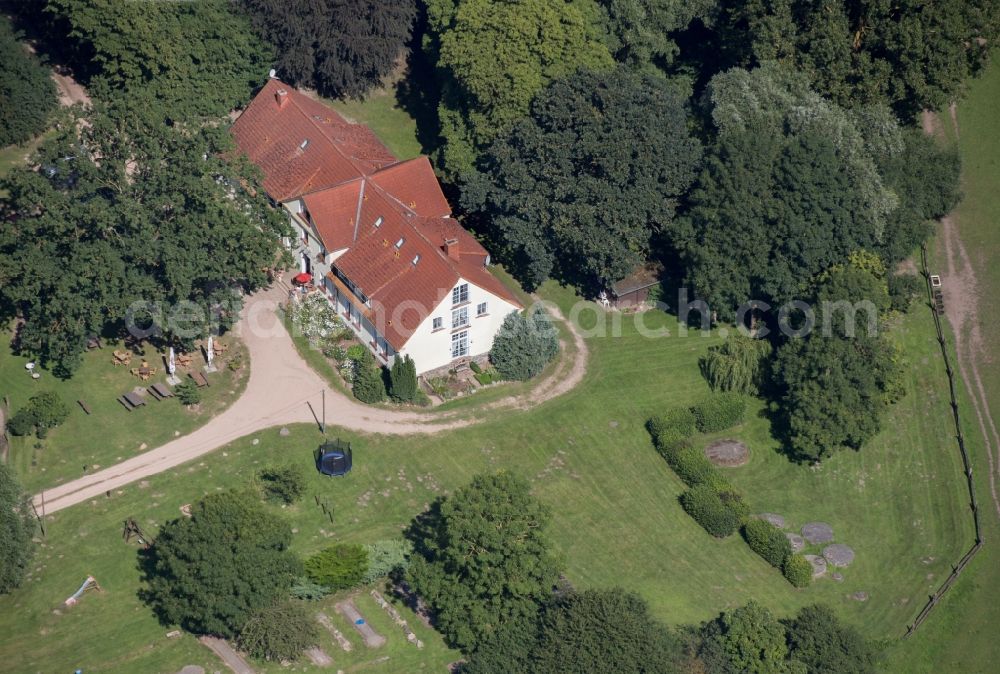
416	259
304	144
399	244
378	221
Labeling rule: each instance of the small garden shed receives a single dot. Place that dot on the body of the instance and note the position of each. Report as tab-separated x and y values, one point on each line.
634	289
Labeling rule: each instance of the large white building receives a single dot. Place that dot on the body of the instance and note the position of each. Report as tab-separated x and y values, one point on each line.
375	233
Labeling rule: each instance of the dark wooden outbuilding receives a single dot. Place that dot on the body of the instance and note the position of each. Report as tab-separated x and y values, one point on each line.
634	289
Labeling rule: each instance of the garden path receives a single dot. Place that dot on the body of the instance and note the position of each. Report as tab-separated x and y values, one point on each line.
283	389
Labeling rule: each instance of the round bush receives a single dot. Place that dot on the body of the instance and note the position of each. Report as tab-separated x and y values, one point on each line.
694	468
719	412
279	632
524	345
768	541
704	504
798	571
23	421
338	567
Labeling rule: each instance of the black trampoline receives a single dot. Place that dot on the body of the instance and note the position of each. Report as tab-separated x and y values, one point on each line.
334	457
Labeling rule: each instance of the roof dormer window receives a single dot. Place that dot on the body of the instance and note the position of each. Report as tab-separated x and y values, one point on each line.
416	259
378	221
304	144
399	244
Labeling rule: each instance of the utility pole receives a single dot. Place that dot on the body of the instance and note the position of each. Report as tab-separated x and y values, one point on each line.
324	413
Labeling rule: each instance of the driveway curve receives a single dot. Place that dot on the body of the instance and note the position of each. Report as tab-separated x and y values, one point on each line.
283	389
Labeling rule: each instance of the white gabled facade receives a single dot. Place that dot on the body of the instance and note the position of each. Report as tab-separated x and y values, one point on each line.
433	346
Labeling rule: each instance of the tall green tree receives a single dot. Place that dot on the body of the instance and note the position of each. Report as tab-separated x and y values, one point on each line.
210	573
493	58
17	527
579	188
524	345
340	47
748	640
131	220
790	188
738	364
825	645
638	31
182	59
604	631
907	53
27	93
482	559
403	379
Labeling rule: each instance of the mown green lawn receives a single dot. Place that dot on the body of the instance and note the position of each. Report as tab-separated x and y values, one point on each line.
380	112
111	433
961	634
898	503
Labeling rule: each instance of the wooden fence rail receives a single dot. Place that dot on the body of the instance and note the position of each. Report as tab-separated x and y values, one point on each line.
960	439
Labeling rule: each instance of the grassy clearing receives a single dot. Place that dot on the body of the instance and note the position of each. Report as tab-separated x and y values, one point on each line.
111	433
380	112
961	634
898	503
15	155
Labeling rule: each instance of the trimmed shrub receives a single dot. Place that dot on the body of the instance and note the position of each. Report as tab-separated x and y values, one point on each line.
188	393
23	421
694	468
356	352
303	588
798	571
673	425
733	500
369	384
339	566
524	344
768	541
282	483
386	556
474	366
719	411
403	379
279	632
704	504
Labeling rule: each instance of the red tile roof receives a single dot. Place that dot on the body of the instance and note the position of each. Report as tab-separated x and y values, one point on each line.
360	197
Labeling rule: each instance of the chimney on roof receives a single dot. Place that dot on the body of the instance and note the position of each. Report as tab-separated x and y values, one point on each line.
281	96
451	248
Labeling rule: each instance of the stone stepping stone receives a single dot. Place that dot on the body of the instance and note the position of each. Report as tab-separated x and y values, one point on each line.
838	554
797	542
860	596
774	518
817	533
818	564
192	669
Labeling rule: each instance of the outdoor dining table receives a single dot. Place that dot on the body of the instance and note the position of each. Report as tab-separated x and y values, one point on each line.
134	399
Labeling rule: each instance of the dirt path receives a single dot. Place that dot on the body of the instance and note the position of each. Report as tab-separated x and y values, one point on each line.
962	296
70	91
226	653
283	389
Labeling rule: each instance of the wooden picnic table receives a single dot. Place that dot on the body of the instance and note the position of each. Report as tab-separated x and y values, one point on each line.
122	358
183	359
162	390
131	400
199	378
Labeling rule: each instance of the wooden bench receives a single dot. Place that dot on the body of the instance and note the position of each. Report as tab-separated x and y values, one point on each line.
199	378
86	408
160	391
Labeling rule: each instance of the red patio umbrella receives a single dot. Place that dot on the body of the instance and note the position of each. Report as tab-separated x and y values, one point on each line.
303	278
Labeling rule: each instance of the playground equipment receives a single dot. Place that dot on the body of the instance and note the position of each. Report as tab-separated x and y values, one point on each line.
132	530
89	584
334	457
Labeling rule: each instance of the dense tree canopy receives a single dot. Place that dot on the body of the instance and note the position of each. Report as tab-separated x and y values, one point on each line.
340	47
835	385
27	93
183	59
746	640
482	559
824	645
17	526
210	573
638	31
126	211
910	54
579	188
791	187
495	56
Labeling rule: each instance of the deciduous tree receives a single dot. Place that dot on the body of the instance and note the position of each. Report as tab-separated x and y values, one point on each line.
17	526
27	93
818	639
579	188
482	559
211	572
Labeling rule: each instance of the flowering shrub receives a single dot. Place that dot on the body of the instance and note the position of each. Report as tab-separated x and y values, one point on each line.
315	318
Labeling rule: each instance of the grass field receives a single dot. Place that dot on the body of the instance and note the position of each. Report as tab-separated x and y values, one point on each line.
898	503
111	433
961	634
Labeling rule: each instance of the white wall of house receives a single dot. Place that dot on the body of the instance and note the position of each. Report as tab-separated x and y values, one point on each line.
308	239
431	348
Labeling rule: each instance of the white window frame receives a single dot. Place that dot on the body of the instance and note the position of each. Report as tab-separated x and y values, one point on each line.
460	294
437	323
460	344
460	318
482	309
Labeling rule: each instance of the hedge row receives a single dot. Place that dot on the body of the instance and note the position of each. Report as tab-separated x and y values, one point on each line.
710	500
